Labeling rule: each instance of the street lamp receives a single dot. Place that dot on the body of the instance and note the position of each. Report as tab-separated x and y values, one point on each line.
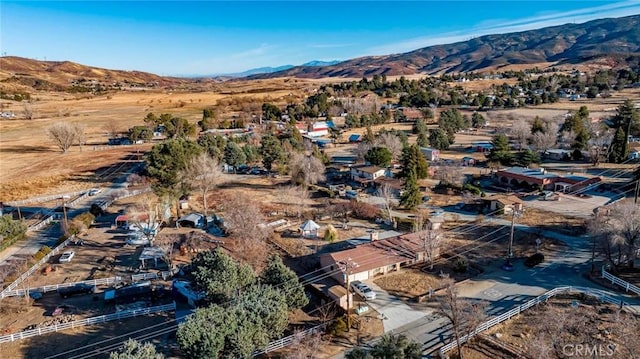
346	267
516	212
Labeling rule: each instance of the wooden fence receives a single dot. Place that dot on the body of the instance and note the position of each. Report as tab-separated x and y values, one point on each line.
542	298
286	341
87	321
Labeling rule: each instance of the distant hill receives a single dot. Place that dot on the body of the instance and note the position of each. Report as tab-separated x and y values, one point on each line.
62	75
564	44
268	70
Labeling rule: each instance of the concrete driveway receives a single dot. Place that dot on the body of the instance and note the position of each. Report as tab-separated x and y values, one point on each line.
394	311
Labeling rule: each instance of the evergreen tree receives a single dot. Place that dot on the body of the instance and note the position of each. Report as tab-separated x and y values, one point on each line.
537	126
477	120
379	156
500	151
278	275
411	196
419	126
270	150
626	120
413	160
619	147
439	139
234	155
422	140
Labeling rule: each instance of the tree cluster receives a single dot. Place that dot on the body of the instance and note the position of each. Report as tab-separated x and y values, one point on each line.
246	312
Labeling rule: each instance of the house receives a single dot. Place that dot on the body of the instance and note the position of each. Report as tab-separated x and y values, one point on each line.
377	257
431	154
558	154
540	179
123	220
482	146
316	129
309	229
366	174
344	159
506	203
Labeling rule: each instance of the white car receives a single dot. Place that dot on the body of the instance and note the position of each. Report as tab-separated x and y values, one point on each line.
363	290
94	191
67	256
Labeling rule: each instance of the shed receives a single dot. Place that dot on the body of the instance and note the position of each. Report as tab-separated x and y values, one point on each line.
192	220
355	138
151	253
309	229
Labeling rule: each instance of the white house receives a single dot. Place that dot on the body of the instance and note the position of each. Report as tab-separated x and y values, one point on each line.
366	174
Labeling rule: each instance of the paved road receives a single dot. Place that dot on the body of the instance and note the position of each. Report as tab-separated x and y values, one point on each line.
504	290
48	236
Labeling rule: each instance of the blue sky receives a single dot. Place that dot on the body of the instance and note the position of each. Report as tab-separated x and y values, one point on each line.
211	37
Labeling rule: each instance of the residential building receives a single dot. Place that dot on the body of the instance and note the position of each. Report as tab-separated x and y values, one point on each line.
365	175
504	203
539	178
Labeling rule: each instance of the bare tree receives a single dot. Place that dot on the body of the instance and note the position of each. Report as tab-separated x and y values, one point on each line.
112	128
599	141
621	228
463	314
432	241
391	142
62	134
568	137
247	226
145	216
305	347
386	193
27	111
306	169
362	149
294	198
521	132
204	174
80	136
543	141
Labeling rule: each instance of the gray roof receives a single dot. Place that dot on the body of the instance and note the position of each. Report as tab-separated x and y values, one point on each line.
309	225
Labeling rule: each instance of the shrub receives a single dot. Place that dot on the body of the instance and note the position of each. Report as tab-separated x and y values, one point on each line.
44	250
363	210
337	327
330	234
471	188
96	210
61	239
460	265
534	260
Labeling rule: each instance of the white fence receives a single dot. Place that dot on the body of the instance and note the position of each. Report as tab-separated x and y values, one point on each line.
35	267
52	197
88	321
136	192
542	298
615	280
44	222
286	341
54	287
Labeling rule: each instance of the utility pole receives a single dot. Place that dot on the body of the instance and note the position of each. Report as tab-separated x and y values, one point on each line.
637	191
516	211
346	266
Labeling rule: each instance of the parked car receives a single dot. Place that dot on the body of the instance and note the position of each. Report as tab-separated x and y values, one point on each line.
76	289
94	191
363	290
67	256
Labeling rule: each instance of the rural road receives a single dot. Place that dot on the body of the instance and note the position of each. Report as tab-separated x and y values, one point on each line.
504	290
48	236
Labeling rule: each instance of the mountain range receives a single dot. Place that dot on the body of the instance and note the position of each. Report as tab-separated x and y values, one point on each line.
612	43
612	39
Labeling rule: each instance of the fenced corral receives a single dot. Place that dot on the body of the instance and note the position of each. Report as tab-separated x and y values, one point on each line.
35	267
88	321
55	287
537	300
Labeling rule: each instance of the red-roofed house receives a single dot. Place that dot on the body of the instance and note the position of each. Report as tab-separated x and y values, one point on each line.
377	257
